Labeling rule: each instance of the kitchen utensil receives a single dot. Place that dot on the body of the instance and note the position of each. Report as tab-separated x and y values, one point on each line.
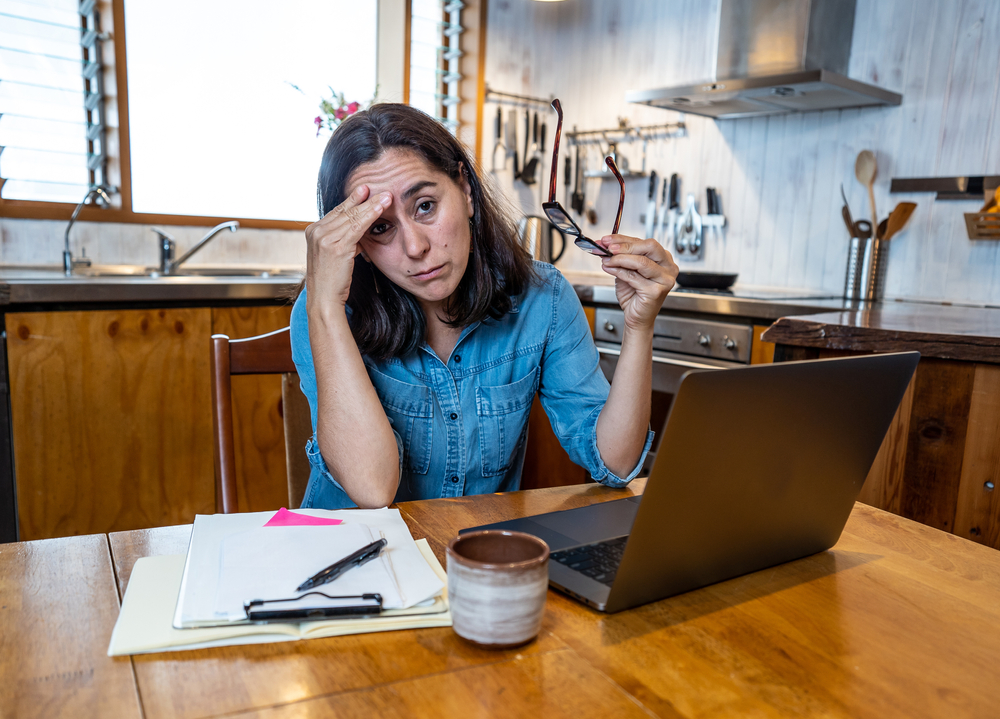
865	169
567	180
498	143
531	161
706	280
860	232
660	220
898	218
880	230
536	235
527	136
847	205
651	205
512	141
846	213
673	210
689	230
576	203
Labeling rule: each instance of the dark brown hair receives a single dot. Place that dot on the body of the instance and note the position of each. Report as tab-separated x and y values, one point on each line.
390	322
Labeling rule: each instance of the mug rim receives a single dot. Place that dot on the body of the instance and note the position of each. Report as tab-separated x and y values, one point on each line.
524	564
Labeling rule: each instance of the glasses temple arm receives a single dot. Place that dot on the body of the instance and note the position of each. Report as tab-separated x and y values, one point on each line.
621	199
555	151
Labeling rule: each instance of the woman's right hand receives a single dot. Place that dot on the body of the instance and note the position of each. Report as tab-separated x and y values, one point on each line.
332	245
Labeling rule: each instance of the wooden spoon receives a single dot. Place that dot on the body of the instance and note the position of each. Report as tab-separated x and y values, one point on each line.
865	168
898	218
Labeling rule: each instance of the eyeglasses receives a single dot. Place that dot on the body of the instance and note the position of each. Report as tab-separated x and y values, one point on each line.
555	212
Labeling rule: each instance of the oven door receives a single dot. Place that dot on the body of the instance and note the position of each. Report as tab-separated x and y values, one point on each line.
668	369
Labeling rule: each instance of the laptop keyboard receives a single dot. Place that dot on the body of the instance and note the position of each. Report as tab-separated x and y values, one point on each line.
598	561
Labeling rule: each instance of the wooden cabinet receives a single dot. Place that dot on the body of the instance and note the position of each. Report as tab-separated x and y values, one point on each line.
940	460
111	418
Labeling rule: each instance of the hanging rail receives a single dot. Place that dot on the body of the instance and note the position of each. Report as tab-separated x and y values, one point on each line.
511	99
627	133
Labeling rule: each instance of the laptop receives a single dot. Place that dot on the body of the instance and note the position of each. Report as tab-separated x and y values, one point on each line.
756	466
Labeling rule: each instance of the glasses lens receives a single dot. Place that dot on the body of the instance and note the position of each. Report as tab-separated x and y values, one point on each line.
558	217
589	245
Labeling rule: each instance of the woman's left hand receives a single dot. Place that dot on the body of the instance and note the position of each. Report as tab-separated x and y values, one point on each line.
644	273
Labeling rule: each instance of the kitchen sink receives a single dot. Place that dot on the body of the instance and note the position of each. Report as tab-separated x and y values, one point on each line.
228	271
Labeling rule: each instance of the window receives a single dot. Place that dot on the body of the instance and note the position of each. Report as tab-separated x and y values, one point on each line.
52	111
217	127
435	33
211	123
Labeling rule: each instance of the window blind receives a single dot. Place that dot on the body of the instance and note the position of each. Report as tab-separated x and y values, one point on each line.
52	125
435	49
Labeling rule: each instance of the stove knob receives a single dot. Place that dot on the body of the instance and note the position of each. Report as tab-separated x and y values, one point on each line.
704	340
608	326
729	342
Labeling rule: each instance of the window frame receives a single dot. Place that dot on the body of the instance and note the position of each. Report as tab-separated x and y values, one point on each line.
388	77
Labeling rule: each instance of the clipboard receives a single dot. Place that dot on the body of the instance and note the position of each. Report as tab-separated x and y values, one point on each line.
312	606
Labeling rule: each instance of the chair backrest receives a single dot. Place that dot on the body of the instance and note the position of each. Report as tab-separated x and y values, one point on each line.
270	353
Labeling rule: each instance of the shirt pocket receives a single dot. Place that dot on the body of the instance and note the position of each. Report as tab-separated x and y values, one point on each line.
410	409
503	420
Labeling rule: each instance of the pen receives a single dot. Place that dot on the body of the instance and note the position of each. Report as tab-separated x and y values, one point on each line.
362	556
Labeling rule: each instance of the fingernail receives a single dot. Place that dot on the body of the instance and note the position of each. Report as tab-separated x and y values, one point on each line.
358	192
614	248
386	199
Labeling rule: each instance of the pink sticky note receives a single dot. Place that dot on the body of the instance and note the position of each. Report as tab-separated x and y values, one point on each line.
284	518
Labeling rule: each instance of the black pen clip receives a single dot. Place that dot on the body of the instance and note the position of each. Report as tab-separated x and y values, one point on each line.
355	559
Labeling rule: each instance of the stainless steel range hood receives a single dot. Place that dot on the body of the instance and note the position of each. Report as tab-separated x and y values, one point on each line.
774	57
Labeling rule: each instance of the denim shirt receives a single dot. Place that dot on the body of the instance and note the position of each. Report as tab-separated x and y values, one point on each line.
461	422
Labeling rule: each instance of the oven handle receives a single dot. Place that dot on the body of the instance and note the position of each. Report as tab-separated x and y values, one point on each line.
663	360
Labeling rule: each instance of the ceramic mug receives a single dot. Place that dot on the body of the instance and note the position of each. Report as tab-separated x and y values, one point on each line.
497	583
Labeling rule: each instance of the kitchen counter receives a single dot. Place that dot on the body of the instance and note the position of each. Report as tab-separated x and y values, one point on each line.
756	303
32	286
942	331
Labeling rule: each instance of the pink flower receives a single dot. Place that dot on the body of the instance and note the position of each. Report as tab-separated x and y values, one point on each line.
318	121
340	113
352	108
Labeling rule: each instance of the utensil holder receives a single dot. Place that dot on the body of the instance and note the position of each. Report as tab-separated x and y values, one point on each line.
855	270
875	260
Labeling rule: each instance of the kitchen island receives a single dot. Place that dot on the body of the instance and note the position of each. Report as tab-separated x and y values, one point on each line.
940	461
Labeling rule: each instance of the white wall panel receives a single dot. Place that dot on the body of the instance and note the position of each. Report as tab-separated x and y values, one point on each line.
779	178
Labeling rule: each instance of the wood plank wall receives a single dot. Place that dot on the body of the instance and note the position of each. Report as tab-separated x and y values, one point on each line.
779	177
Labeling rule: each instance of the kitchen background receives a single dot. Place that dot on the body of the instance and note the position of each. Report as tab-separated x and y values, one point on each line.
778	177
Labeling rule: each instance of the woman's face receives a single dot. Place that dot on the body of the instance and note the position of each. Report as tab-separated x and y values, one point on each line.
421	242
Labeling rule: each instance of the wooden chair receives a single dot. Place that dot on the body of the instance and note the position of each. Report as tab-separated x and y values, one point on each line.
270	353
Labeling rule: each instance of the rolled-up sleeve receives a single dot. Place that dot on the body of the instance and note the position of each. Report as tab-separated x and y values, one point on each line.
573	389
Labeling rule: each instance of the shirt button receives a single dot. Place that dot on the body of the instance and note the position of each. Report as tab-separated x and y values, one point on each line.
454	480
454	416
457	358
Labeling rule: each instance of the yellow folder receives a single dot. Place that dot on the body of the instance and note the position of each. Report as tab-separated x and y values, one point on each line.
145	622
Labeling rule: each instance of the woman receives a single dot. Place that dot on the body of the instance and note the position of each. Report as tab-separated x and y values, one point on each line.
424	330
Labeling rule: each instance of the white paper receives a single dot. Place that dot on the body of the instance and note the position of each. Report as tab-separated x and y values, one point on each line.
270	562
196	603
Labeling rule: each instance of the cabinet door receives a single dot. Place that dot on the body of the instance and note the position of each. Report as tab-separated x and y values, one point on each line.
111	423
258	430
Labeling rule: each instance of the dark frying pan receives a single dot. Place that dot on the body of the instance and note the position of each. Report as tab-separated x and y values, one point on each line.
706	280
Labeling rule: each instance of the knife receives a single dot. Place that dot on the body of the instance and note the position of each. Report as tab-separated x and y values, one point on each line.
672	209
663	215
651	205
577	202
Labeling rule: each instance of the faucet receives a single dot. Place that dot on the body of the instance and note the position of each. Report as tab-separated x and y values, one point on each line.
168	265
68	261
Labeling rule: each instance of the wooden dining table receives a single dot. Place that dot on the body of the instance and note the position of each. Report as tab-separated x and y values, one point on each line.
896	620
